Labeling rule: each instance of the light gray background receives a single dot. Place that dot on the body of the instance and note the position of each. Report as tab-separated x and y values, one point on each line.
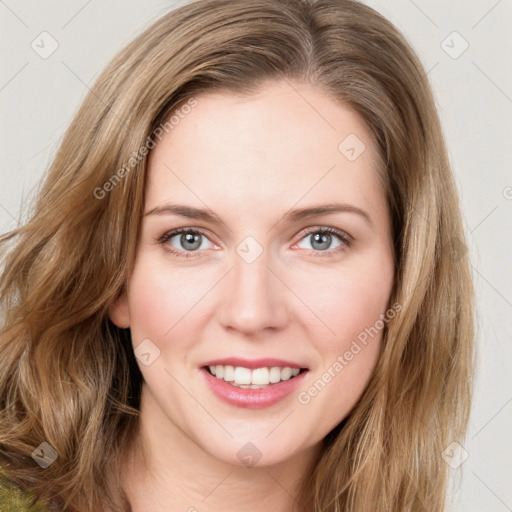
474	95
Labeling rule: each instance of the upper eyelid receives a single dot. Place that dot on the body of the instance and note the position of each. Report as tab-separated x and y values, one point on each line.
334	231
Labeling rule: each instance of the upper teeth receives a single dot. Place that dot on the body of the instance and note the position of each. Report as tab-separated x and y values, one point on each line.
240	375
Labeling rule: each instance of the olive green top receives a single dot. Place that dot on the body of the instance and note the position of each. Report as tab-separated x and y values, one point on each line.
14	499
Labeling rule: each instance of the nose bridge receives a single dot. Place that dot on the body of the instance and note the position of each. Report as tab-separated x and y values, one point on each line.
254	299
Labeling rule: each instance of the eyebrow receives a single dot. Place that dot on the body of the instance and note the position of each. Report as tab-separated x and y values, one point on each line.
289	217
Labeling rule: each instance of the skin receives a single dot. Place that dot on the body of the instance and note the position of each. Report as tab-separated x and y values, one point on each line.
251	159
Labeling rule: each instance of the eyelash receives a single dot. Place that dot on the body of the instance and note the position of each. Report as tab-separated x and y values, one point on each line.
346	239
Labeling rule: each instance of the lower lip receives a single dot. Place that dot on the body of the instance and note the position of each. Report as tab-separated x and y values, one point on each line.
252	398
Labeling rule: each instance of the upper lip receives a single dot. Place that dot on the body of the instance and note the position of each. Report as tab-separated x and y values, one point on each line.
253	363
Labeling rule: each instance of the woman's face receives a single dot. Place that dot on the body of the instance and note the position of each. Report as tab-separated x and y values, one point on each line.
258	284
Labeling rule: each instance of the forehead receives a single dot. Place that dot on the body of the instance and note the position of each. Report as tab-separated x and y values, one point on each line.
286	142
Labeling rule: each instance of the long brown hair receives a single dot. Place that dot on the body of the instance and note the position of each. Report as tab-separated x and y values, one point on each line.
68	376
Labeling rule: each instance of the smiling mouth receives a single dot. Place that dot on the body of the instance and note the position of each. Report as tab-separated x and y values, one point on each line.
256	378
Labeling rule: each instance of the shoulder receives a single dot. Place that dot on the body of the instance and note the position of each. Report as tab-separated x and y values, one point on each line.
15	499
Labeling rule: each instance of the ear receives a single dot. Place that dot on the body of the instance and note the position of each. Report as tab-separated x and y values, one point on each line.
119	312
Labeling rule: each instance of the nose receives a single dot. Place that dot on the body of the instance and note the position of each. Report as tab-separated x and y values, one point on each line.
254	299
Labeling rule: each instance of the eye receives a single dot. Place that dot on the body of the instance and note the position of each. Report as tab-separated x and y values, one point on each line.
322	238
184	240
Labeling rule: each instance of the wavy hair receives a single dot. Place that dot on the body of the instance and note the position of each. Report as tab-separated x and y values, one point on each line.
68	376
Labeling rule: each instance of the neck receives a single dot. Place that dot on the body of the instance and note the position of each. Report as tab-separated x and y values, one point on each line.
166	470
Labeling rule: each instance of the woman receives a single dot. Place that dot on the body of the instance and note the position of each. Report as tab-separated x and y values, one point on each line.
312	349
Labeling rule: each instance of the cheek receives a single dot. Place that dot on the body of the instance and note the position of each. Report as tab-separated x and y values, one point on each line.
346	302
352	305
160	299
